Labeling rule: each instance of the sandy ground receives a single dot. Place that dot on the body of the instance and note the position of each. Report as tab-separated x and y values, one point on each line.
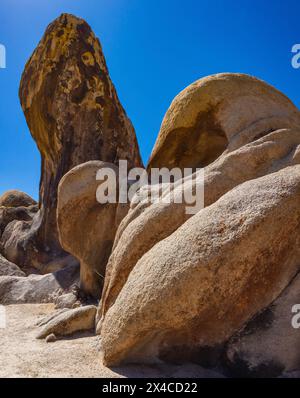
22	355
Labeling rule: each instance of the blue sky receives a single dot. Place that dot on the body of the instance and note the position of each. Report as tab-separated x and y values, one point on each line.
154	49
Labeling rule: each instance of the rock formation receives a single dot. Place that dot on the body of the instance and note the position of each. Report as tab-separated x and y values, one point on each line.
215	286
209	113
9	214
202	283
268	345
17	211
86	227
177	284
68	322
34	288
9	269
74	115
15	198
265	145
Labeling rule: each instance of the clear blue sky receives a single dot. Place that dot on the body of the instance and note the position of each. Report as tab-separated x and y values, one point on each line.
154	49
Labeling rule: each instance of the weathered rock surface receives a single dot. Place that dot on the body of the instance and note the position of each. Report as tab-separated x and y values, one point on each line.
37	288
42	321
86	227
51	338
16	198
157	258
146	224
9	269
68	300
268	345
69	322
22	213
259	143
214	110
202	283
74	115
18	245
15	206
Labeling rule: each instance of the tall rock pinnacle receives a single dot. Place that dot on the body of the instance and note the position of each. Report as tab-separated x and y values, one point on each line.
73	112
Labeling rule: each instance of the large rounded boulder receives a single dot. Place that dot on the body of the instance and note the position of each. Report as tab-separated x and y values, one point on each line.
212	112
179	284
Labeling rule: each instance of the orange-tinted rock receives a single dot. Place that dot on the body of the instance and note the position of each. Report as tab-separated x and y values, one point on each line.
73	113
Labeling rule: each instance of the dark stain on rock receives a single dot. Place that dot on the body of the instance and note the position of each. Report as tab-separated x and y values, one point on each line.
195	146
262	134
79	93
261	321
67	130
83	30
206	356
240	368
101	101
60	33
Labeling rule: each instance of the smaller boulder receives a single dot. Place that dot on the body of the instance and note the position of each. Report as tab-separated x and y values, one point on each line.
16	198
9	214
9	269
68	300
87	228
37	288
69	322
51	338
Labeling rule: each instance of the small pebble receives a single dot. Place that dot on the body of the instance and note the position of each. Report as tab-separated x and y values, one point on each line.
51	338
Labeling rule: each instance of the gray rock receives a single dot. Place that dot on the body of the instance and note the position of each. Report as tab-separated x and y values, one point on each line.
9	214
9	269
66	301
37	288
69	322
268	345
48	318
51	338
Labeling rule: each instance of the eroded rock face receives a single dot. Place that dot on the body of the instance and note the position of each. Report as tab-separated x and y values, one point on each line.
161	252
22	213
69	322
213	111
87	228
73	113
268	345
9	269
145	225
17	211
38	288
262	147
16	198
202	283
